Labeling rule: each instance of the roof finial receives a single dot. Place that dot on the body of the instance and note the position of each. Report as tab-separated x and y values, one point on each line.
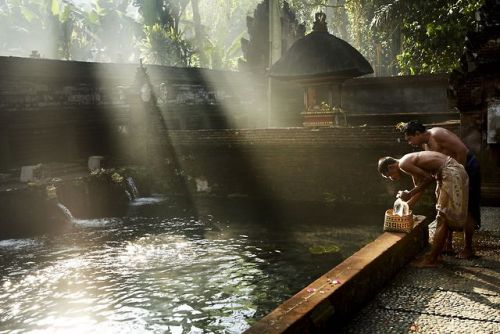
320	22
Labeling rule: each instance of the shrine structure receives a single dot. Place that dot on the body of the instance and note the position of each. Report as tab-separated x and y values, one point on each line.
321	62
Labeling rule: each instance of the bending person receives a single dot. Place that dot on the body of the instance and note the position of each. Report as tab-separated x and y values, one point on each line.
451	194
444	141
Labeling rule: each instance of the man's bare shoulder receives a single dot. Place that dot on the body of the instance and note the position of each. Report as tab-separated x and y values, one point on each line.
448	143
421	156
409	158
441	132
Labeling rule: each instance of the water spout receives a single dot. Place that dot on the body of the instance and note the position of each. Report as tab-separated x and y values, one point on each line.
132	188
61	213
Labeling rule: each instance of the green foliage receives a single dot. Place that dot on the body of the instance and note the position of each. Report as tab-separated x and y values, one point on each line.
434	36
106	30
164	46
59	29
224	24
112	31
110	176
411	37
163	12
305	10
396	36
22	20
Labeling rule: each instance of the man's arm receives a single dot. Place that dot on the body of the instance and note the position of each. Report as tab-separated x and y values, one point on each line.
421	180
462	157
411	202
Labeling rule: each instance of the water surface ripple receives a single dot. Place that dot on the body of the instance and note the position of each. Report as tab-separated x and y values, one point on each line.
162	275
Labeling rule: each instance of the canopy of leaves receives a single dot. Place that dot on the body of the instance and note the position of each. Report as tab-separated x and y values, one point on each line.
411	37
396	36
165	46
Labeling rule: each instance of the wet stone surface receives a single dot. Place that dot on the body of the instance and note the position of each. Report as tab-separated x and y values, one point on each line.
376	320
461	296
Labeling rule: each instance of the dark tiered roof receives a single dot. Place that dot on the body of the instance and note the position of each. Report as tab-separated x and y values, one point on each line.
320	54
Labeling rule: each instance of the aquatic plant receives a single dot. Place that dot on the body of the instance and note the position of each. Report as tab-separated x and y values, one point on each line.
324	249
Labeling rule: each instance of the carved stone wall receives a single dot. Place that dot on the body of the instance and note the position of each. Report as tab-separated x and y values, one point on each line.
54	110
476	90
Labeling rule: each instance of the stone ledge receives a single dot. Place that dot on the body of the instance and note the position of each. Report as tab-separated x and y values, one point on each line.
333	298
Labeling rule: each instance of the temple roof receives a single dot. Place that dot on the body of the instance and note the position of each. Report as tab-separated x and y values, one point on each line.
320	54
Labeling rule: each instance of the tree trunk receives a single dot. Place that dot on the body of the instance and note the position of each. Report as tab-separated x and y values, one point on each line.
397	37
198	33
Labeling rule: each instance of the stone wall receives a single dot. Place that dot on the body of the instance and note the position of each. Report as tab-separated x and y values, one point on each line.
66	111
475	90
331	166
422	94
54	110
374	100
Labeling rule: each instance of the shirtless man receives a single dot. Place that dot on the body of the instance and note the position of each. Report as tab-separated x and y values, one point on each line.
451	194
442	140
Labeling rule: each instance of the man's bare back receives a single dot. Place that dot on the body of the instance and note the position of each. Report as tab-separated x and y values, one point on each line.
446	142
428	162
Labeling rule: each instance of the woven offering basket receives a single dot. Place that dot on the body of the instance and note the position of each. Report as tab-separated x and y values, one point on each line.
396	223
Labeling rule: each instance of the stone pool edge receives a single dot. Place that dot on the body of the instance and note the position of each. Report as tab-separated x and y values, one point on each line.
332	299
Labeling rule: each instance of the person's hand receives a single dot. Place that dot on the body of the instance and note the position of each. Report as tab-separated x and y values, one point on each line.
404	195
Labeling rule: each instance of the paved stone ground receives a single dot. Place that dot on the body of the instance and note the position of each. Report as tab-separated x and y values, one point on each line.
461	296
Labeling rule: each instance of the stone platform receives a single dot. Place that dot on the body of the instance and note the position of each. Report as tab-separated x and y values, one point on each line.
377	290
461	296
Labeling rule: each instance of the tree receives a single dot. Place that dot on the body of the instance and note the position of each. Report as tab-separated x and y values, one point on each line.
217	31
434	35
29	25
58	29
411	37
165	47
200	36
112	31
163	42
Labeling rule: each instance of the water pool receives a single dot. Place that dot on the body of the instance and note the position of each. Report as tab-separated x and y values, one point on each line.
164	273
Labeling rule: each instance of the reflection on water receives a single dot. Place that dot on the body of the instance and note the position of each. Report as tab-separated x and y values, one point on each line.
162	274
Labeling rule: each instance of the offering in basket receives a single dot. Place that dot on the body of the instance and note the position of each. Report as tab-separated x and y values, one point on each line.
399	218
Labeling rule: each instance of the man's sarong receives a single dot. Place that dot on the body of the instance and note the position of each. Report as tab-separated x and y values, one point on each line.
452	194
